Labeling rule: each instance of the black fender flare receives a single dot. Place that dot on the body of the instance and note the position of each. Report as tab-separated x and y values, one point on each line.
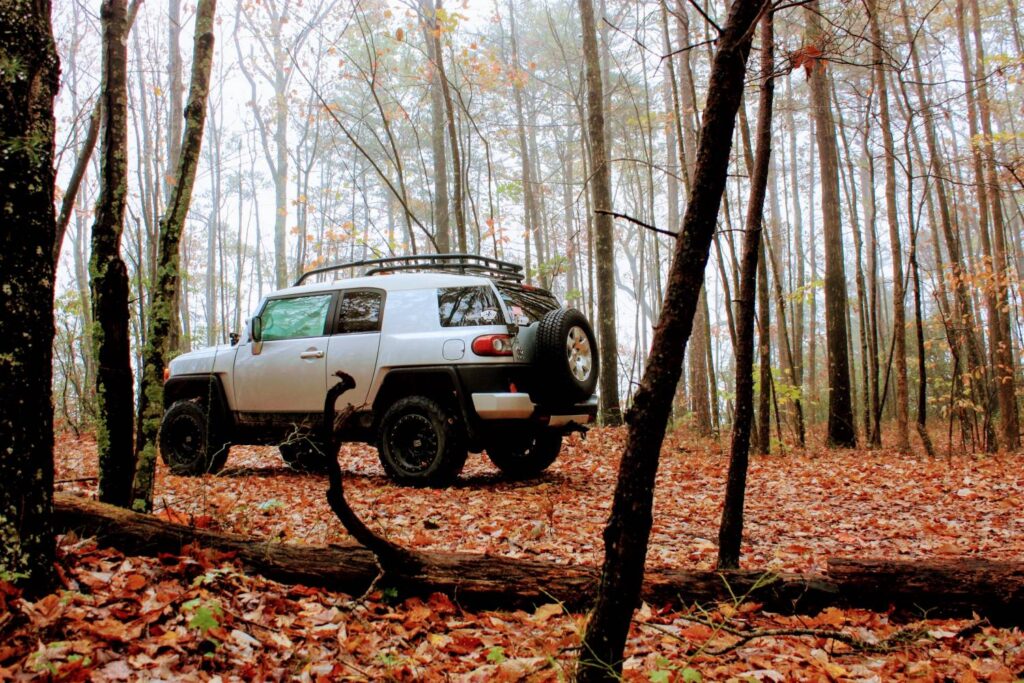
208	388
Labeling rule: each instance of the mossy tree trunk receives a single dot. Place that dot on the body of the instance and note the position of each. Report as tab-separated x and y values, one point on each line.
162	312
28	82
629	526
108	273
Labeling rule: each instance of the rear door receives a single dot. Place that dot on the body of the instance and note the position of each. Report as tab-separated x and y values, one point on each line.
354	344
289	375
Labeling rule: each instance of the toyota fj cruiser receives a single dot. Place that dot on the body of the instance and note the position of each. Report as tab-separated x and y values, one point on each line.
450	354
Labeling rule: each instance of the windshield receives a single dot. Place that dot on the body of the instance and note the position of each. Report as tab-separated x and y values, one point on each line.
526	304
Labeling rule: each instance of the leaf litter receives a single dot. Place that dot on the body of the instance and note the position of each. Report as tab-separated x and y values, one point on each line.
200	617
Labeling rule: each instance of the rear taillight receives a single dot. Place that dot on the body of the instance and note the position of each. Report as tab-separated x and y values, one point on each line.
492	345
167	374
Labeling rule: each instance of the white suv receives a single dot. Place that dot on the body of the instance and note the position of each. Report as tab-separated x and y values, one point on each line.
450	354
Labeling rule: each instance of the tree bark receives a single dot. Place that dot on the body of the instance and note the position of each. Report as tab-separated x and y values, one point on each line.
453	140
964	323
601	194
27	232
109	275
1005	373
628	529
730	532
154	355
899	318
440	157
841	429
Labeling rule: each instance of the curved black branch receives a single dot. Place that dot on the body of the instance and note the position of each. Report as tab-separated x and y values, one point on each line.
390	557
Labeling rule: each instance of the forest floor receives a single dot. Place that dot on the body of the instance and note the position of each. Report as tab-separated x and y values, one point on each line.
200	617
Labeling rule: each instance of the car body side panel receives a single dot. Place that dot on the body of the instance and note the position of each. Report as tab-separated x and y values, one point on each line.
411	335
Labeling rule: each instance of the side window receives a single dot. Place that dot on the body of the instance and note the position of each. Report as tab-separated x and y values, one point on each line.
467	306
301	316
360	311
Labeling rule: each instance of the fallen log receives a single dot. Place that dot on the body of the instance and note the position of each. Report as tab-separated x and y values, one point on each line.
990	588
940	588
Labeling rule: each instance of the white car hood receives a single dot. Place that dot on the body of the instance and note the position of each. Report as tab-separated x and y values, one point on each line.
197	362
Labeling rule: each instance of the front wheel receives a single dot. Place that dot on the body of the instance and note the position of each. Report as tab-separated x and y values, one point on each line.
191	442
421	443
526	457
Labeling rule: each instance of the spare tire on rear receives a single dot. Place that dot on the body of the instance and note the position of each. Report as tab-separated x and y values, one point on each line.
566	357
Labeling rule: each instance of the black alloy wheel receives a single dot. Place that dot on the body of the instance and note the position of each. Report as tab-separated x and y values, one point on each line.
190	440
421	443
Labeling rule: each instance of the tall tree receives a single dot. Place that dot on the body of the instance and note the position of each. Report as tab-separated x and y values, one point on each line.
28	85
1005	373
154	355
730	533
899	316
109	275
437	105
629	526
842	431
601	196
453	136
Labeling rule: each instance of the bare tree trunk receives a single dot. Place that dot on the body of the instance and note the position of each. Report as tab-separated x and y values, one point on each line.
899	323
700	404
629	526
601	194
1005	373
862	308
531	216
453	139
440	158
109	275
75	181
841	429
798	247
151	398
966	338
27	231
730	533
764	413
982	197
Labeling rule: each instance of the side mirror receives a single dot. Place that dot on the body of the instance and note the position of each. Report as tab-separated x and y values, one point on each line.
256	326
233	338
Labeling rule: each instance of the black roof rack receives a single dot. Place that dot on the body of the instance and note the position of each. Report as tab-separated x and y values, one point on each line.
464	264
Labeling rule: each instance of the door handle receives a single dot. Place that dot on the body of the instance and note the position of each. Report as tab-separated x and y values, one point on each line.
312	353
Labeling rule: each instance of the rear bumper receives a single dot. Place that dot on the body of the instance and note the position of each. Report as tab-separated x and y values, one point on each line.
519	406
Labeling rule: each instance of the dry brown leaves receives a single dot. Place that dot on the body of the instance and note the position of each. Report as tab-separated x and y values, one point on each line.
200	617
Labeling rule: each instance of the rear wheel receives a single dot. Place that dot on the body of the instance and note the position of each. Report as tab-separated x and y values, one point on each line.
304	455
191	440
525	457
421	443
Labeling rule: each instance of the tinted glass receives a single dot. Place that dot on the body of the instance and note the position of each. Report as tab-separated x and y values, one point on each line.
467	306
526	304
359	312
302	316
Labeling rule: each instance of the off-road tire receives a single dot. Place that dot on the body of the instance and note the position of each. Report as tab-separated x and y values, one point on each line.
421	443
525	457
191	440
304	455
566	356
